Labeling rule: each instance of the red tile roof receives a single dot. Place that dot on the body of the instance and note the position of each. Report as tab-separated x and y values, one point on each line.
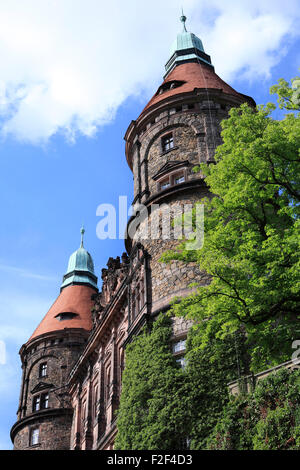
75	299
196	75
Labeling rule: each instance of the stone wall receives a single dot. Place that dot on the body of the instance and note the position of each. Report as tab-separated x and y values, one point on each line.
59	350
54	434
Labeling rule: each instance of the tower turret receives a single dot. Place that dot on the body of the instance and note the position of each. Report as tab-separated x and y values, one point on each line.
178	129
45	413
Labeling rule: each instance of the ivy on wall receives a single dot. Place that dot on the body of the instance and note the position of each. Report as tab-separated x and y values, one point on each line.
266	419
164	407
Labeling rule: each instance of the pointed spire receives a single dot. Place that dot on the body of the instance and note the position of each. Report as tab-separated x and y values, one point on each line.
186	48
183	20
82	231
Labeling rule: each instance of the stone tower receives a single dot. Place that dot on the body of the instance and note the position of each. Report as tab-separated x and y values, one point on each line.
178	129
45	413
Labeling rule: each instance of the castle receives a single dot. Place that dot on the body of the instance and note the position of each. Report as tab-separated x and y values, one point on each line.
73	362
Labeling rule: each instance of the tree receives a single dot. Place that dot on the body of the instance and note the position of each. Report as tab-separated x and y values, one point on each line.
251	246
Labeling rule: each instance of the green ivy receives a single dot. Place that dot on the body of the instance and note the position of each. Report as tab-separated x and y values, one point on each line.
161	405
267	419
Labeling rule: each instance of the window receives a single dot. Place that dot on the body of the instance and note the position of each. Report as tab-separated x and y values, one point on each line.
138	299
34	436
83	413
185	443
172	180
107	383
169	86
165	184
66	316
179	179
43	369
95	401
181	362
167	142
179	346
41	402
36	403
44	401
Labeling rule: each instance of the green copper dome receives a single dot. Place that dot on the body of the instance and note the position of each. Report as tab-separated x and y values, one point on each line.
186	40
187	47
81	260
80	268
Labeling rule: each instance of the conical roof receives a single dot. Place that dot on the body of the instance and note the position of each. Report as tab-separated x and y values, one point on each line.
191	75
72	308
189	67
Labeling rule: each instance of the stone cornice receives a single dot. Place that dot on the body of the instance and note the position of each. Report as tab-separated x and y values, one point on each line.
39	415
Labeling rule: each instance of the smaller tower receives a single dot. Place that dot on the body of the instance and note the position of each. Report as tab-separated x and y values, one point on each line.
45	413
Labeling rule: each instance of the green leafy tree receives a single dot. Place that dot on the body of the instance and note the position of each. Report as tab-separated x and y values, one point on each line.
252	228
288	95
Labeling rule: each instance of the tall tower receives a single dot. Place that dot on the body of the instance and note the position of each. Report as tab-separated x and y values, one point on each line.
178	129
45	413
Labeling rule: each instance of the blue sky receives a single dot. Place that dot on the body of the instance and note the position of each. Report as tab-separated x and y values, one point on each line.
73	75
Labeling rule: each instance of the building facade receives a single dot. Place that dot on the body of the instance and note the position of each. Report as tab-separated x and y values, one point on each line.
73	362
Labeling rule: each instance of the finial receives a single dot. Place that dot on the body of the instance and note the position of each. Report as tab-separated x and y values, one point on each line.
183	20
82	231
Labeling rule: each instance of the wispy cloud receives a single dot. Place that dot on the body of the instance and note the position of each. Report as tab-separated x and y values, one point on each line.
26	273
68	65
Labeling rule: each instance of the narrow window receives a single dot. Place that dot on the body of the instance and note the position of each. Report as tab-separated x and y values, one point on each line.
43	369
44	401
36	403
83	411
181	362
107	384
34	436
95	401
167	142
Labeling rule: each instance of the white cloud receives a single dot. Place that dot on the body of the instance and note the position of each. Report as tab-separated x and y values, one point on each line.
67	65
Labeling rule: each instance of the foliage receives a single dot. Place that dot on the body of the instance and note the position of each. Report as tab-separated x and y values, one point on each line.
267	419
252	228
246	317
209	370
154	405
161	405
289	96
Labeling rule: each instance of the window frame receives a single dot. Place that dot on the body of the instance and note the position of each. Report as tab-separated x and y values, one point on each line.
31	436
182	345
40	402
169	181
43	367
167	142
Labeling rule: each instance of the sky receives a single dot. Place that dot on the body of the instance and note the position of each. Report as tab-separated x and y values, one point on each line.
73	75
